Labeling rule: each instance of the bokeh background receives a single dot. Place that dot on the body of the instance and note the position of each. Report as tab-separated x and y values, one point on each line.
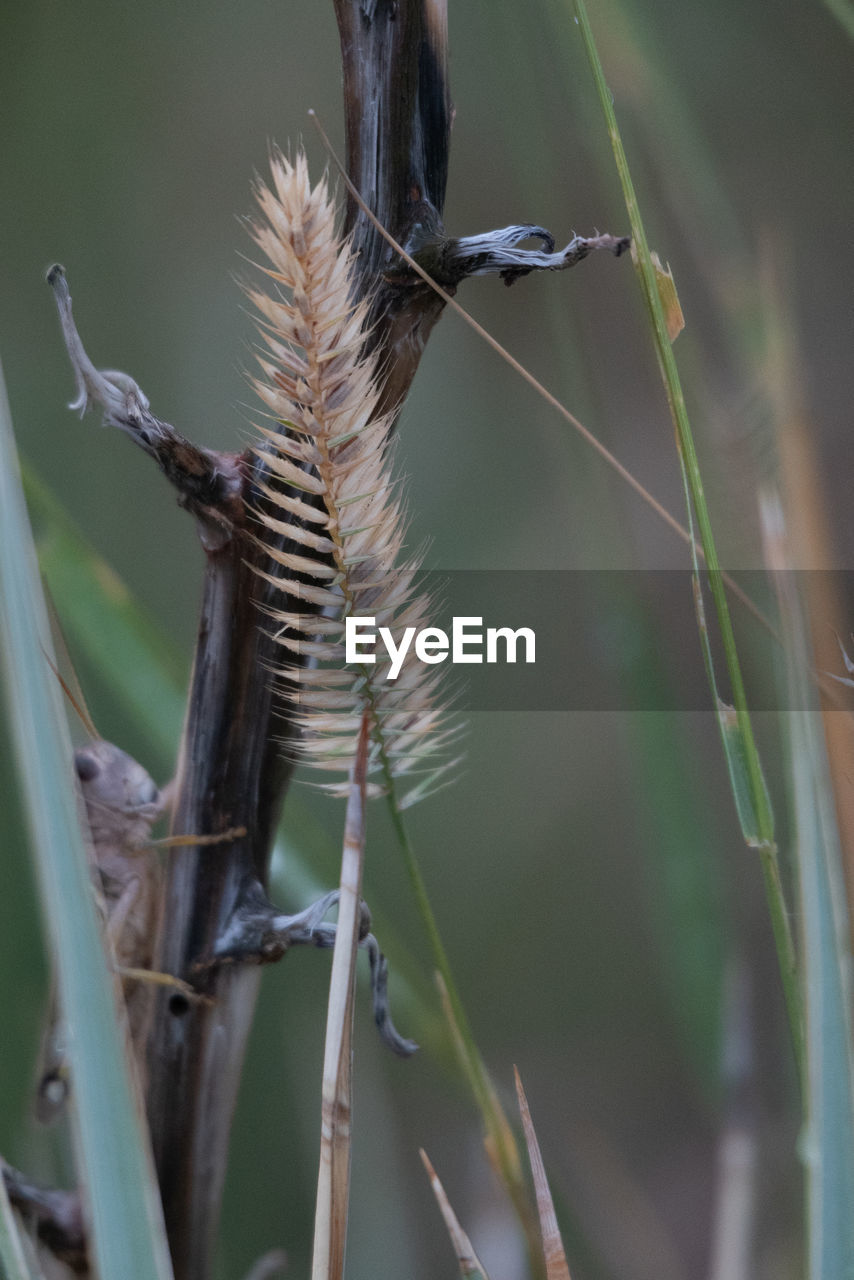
602	914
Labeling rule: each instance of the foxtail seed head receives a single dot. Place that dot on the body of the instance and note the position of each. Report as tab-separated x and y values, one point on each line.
331	491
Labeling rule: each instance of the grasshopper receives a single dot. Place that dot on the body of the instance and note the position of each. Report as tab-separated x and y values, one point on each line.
122	802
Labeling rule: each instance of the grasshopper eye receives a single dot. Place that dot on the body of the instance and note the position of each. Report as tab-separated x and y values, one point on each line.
86	767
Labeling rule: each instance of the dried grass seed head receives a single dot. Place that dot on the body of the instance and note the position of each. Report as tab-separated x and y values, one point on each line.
326	483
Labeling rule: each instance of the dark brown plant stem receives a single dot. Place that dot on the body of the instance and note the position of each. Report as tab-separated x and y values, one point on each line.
228	764
398	122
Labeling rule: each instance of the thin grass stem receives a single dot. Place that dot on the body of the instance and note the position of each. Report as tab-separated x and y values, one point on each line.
764	835
333	1181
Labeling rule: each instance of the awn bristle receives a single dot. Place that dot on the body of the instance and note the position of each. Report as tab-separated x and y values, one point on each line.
334	496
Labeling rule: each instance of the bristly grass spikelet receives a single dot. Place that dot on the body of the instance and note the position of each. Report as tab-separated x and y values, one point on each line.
332	493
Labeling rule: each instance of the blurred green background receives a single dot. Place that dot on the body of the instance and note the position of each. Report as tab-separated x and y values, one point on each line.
587	870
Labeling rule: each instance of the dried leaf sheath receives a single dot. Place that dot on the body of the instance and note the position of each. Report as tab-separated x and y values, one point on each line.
335	495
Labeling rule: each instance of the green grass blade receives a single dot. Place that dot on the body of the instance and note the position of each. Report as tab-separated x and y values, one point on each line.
828	1146
127	1232
843	12
743	762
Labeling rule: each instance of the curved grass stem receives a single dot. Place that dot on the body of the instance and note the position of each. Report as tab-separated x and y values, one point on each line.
740	746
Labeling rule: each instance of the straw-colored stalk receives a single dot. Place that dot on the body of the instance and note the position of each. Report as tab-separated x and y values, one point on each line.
471	1268
333	1179
556	1264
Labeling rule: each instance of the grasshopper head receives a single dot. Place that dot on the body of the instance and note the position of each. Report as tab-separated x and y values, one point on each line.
122	799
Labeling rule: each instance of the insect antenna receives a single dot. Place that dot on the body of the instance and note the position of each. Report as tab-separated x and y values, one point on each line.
70	686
